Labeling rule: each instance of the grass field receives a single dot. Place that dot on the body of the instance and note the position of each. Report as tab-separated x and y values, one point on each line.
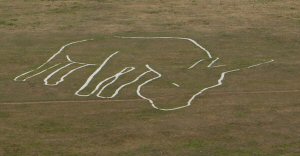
256	112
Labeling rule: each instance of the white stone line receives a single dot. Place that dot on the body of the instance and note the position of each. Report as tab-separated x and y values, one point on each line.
217	66
175	84
179	38
260	64
127	70
196	63
116	77
212	62
16	78
53	73
220	82
63	67
90	78
40	72
138	91
51	58
62	48
70	72
127	84
68	58
189	103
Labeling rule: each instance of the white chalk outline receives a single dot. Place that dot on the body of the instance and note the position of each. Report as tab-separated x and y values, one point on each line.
260	64
115	78
175	84
138	91
129	83
53	73
179	38
213	62
126	70
196	63
37	73
90	78
68	73
50	59
220	82
217	66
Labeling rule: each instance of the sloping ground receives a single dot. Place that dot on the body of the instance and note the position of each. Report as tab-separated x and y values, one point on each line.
255	111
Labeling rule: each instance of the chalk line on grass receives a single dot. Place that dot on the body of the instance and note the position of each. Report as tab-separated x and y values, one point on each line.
180	38
220	82
189	103
91	77
71	62
138	91
63	47
127	84
53	73
50	59
196	63
101	86
217	66
175	84
213	61
37	73
260	64
115	78
68	73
